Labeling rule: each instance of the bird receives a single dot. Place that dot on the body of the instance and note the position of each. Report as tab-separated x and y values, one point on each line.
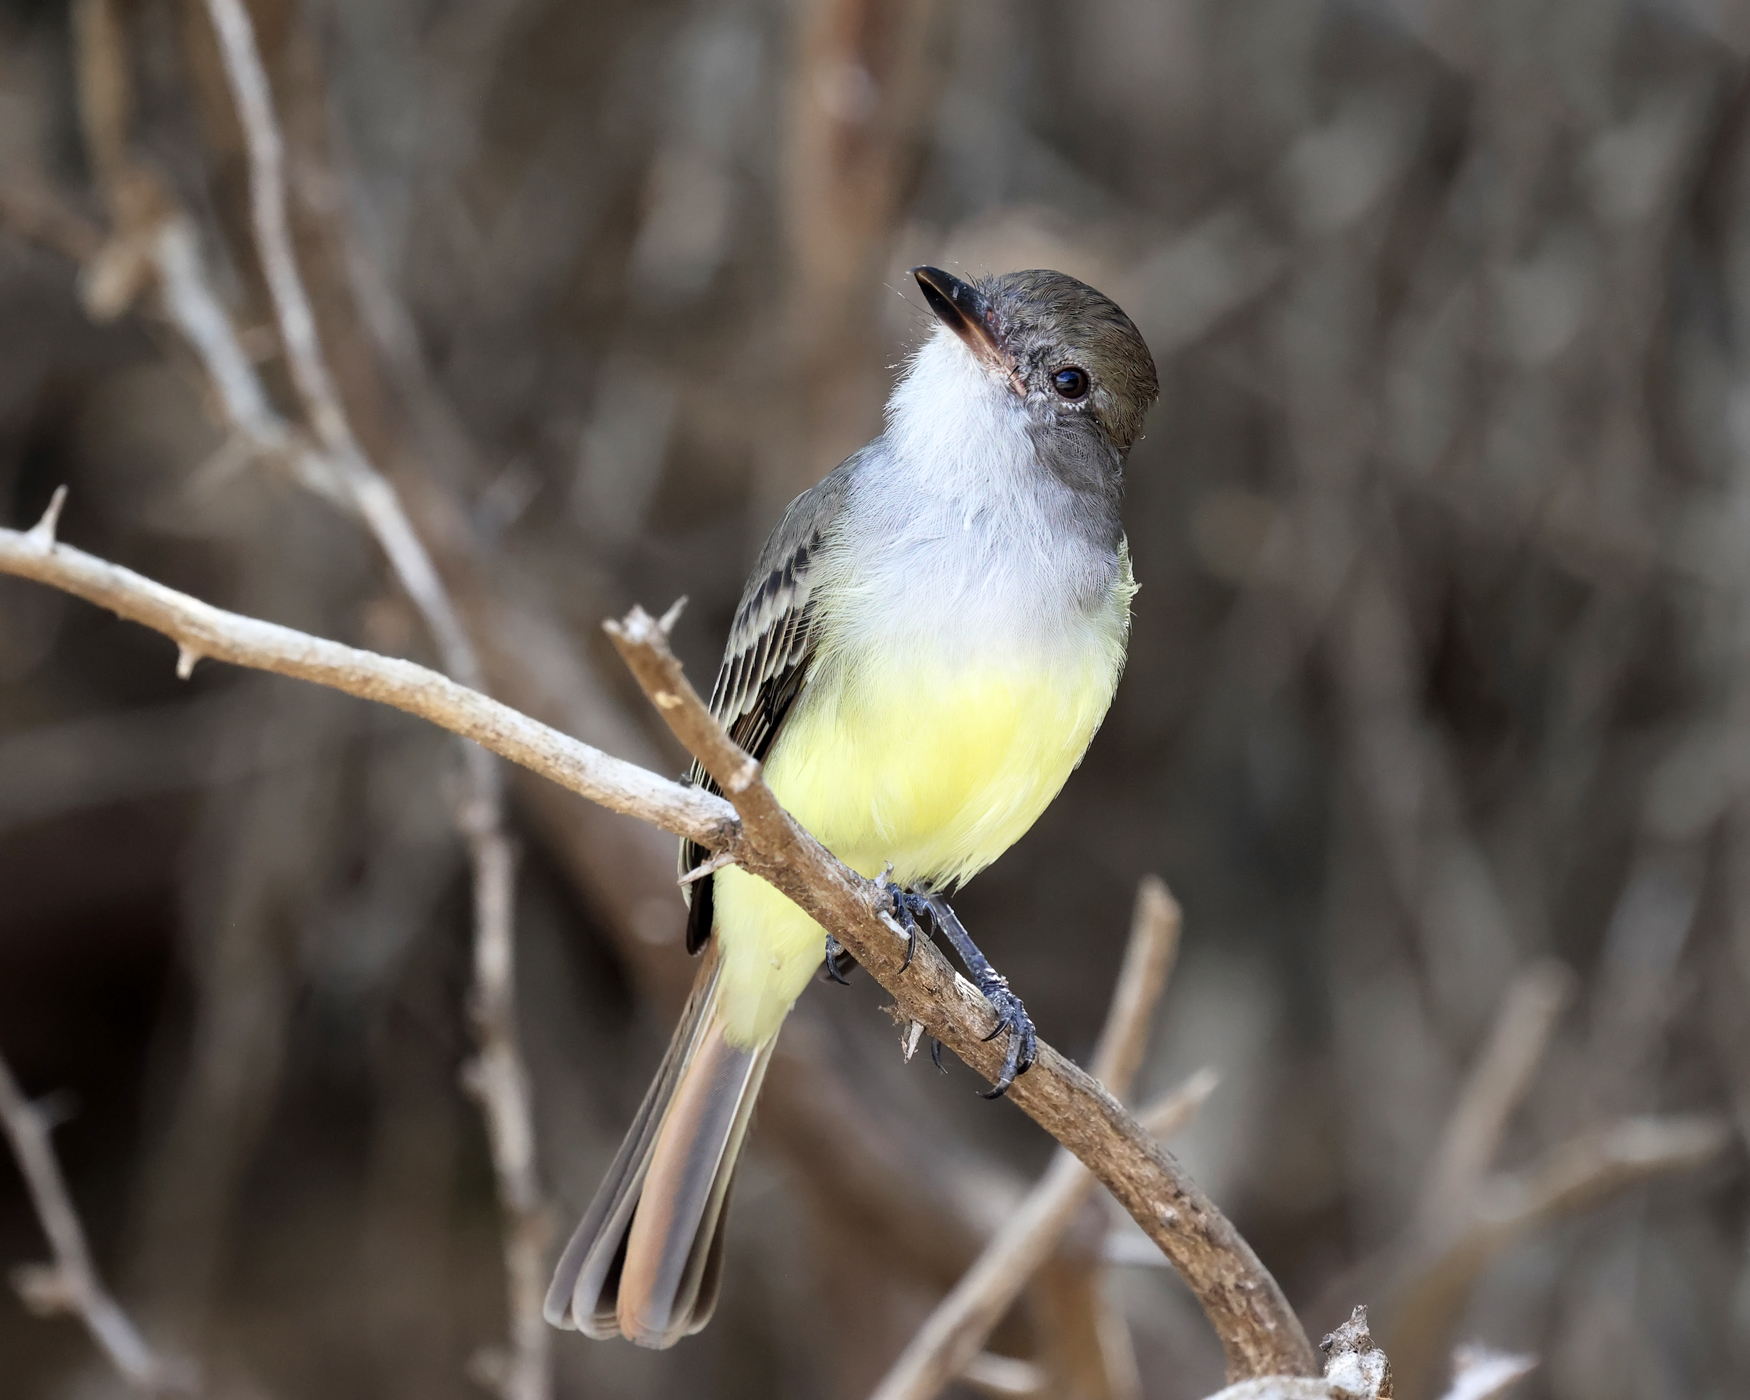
922	654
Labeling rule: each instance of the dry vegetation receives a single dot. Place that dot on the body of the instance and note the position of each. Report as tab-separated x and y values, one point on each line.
446	330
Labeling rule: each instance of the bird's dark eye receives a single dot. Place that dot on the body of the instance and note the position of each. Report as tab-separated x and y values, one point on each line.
1070	383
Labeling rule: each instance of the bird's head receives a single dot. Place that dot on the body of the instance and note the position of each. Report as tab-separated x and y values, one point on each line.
1074	361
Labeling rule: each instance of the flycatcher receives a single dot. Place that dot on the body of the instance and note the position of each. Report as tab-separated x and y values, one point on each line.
921	656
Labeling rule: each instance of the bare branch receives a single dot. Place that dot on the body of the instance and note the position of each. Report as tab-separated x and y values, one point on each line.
642	642
1258	1331
70	1284
152	234
1497	1082
1081	1332
971	1310
263	646
962	1321
375	497
1155	928
1576	1175
188	300
1587	1170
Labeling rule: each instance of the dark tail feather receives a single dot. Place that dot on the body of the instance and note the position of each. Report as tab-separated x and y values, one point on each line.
646	1260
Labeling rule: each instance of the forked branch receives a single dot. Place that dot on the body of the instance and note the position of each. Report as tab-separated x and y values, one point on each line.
950	1338
70	1284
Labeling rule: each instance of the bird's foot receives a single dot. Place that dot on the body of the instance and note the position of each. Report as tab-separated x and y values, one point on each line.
1012	1016
838	961
908	908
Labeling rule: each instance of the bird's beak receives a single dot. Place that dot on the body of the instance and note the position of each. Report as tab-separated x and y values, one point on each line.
963	309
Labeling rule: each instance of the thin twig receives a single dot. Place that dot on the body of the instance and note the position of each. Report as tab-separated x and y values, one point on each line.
70	1284
498	1078
964	1320
1497	1082
1081	1333
957	1329
375	497
1155	928
265	646
1258	1331
1574	1176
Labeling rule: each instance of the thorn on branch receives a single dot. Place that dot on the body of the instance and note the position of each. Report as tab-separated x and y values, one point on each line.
42	534
186	657
914	1032
667	621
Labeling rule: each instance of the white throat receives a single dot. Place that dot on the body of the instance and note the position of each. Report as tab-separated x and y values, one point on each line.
961	542
955	425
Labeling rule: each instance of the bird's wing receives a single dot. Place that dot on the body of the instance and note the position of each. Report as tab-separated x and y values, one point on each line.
771	643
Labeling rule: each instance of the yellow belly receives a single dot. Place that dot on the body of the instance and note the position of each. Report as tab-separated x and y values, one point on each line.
935	776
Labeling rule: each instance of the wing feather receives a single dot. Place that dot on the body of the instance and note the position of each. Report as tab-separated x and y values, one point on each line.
771	646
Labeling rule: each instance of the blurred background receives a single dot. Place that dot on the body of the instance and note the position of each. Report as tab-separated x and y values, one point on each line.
1437	716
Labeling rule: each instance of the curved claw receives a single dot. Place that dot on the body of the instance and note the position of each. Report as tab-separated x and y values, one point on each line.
907	907
1023	1047
834	951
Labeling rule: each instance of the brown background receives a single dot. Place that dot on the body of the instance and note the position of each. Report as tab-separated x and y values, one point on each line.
1439	664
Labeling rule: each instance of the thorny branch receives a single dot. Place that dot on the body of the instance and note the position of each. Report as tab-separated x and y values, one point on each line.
1258	1331
224	636
70	1284
497	1078
947	1344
